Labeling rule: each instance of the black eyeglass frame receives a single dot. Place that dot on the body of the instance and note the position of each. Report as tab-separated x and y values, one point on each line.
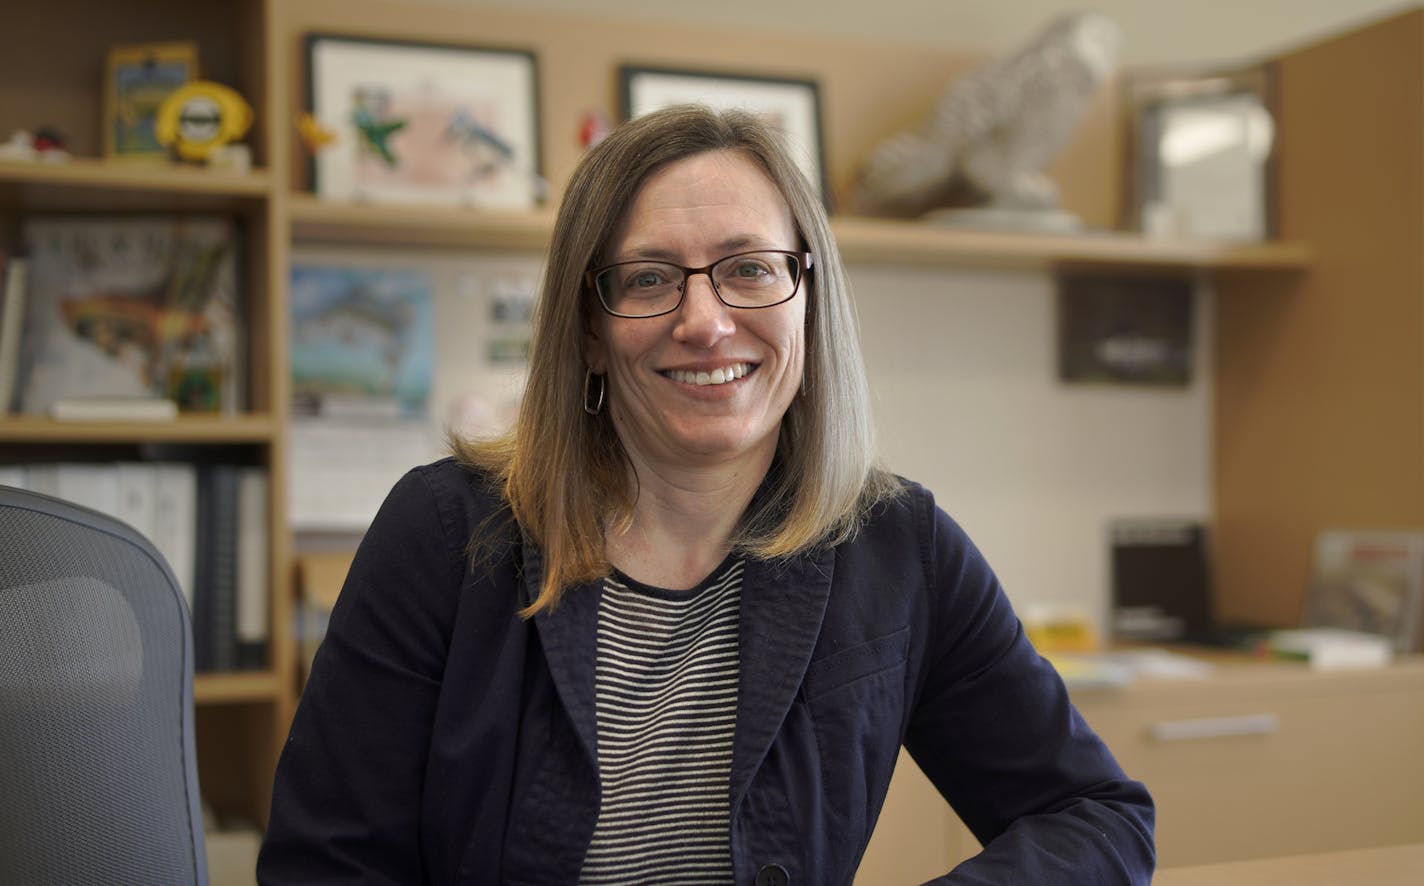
803	257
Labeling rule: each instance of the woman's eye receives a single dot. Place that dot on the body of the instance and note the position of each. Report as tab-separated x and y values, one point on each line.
751	270
646	280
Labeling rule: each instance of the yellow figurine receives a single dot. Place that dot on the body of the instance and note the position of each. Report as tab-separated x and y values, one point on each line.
200	117
314	136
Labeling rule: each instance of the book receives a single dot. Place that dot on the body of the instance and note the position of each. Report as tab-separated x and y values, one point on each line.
1160	590
215	588
137	497
174	520
13	287
1370	582
1327	649
94	486
252	569
113	409
132	306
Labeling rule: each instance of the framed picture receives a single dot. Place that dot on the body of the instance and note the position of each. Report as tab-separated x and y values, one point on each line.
425	123
1201	156
791	105
1125	330
137	79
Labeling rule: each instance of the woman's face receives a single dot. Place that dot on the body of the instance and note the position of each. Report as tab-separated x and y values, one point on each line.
663	390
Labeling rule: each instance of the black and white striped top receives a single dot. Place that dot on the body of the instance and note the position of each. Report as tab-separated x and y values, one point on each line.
666	702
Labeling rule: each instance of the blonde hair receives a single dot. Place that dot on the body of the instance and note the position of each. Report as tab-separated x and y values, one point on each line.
564	473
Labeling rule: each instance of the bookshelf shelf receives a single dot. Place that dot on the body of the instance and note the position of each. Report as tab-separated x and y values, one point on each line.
315	220
862	240
256	428
234	688
93	172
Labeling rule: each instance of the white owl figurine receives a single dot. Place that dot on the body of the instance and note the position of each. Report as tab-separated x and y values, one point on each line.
995	129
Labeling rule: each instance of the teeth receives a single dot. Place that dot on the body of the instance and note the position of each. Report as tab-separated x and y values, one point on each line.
715	377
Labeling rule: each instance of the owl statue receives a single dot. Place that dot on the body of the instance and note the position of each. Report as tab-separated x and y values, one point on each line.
995	129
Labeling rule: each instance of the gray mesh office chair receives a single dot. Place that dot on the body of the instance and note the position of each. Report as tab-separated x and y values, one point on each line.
98	775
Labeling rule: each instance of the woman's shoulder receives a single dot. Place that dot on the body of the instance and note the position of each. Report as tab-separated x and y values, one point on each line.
464	496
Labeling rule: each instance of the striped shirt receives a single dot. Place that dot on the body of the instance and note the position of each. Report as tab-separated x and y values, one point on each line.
666	703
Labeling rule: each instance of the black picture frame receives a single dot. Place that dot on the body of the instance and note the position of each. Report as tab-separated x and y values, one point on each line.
792	104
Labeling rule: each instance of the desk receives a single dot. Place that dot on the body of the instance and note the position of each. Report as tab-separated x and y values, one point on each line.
1381	866
1256	760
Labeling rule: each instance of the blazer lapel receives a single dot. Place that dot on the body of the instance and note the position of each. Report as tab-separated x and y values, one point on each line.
783	604
569	636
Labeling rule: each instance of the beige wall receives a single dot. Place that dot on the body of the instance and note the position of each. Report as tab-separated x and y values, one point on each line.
1155	31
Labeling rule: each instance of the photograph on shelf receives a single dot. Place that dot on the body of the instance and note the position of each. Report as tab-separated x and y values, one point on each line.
423	123
362	367
134	309
1201	154
1125	330
138	78
1368	581
791	105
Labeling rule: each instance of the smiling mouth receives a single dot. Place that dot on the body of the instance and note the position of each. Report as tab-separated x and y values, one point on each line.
715	377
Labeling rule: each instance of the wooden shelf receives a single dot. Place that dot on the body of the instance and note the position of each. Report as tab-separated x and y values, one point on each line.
235	688
87	184
326	221
875	241
259	428
135	175
862	240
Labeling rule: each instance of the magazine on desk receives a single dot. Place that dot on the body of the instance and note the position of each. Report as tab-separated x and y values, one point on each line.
138	306
1368	581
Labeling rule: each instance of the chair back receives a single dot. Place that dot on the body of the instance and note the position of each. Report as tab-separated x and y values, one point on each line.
98	771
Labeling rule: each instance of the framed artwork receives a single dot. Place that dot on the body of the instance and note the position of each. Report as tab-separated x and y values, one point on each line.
1201	157
1125	330
137	79
791	105
425	123
139	306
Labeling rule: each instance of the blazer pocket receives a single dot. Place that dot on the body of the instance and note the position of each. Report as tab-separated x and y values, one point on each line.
858	662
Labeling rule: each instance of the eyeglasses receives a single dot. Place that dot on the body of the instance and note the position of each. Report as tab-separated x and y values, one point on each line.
760	279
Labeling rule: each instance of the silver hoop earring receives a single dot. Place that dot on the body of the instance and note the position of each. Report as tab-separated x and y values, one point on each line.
597	405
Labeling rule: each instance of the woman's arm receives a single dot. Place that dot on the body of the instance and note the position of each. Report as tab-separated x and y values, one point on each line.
995	731
347	797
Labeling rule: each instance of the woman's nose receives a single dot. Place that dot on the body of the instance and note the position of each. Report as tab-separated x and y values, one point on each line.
702	318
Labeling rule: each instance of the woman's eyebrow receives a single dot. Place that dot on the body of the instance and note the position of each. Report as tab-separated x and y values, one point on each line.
728	246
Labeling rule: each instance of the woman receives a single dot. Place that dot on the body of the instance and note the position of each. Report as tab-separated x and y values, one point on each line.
676	626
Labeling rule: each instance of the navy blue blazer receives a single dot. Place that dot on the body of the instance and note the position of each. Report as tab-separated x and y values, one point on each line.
442	739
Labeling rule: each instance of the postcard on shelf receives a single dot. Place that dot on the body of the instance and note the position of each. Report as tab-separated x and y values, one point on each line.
132	307
362	364
1368	581
137	80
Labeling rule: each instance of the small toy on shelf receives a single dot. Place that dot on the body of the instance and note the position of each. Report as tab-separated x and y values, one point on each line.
45	145
198	120
314	136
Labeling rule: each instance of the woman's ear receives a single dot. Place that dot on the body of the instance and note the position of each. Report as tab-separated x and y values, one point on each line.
595	354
